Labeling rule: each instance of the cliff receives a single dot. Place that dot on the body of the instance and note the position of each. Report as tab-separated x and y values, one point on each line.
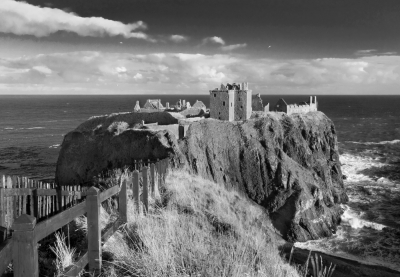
109	142
288	164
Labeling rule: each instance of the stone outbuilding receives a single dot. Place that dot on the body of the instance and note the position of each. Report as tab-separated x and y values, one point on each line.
302	107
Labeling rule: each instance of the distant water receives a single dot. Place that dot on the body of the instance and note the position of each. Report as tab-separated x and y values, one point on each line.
32	129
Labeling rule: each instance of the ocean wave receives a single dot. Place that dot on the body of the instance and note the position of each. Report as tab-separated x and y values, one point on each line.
54	146
396	141
356	222
9	128
33	128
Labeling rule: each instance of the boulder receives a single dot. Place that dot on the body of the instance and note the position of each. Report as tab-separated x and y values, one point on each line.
287	164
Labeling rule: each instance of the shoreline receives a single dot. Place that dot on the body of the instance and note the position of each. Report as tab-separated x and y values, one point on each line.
345	267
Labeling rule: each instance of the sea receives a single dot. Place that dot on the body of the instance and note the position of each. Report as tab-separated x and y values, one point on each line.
32	129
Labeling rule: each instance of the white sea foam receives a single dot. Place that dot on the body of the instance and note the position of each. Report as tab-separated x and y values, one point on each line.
34	128
396	141
9	128
356	222
54	146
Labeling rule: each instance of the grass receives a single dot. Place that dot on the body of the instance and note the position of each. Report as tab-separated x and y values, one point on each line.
195	228
64	253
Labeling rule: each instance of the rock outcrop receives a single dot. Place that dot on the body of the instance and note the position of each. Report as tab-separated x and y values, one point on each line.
288	164
109	142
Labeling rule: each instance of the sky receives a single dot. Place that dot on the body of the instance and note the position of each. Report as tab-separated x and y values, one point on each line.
192	46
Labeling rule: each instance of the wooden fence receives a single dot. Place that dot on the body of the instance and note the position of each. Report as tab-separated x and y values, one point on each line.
20	195
22	248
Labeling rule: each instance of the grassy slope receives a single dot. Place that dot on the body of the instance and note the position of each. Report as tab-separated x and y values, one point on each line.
198	228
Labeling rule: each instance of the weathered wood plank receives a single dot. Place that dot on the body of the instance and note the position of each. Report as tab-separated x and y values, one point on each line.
152	179
31	200
24	197
77	267
110	230
93	230
135	190
17	191
45	228
3	206
108	193
145	189
39	214
5	255
9	217
123	202
18	198
25	248
14	200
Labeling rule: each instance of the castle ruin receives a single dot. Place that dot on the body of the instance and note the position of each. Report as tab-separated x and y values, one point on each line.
231	102
302	107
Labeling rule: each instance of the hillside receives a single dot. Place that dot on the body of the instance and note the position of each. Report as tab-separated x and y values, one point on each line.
196	228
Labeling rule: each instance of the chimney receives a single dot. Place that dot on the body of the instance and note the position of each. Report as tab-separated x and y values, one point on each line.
310	100
167	105
184	103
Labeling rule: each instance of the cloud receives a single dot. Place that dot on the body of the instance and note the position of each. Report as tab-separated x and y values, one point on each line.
178	72
365	52
138	76
21	18
233	47
224	47
178	38
374	52
216	40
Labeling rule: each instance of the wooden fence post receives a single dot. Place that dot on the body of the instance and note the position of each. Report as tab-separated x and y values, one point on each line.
159	173
93	230
123	202
165	167
25	248
135	190
145	188
2	208
152	179
35	201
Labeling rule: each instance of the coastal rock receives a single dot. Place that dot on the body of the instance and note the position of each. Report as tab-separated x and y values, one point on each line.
109	142
288	164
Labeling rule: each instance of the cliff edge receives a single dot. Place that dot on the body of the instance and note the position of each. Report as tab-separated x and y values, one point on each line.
287	164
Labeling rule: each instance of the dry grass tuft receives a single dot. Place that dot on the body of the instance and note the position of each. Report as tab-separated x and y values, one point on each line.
64	253
196	228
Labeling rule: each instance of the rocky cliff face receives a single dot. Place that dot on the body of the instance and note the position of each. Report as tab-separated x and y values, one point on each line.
288	164
109	142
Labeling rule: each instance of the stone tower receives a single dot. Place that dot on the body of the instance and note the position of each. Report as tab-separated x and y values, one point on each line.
231	102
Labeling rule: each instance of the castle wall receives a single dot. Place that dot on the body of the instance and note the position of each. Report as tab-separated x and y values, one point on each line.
221	105
242	104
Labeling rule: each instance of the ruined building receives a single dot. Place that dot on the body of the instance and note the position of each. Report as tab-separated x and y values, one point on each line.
302	107
231	102
153	104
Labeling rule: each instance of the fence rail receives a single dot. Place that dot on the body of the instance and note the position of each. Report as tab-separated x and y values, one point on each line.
22	248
